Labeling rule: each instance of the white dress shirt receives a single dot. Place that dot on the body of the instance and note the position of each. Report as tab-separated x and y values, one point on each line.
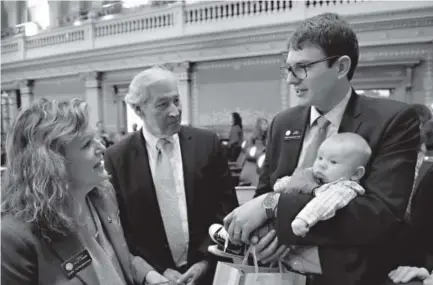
176	163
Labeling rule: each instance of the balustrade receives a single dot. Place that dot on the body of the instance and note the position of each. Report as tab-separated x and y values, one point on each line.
182	19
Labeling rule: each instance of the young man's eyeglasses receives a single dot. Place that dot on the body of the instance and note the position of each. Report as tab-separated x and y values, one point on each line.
300	70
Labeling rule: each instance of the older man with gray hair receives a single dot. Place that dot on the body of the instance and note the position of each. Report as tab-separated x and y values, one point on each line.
172	183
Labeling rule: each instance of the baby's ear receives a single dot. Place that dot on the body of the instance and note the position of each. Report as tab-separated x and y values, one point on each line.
358	174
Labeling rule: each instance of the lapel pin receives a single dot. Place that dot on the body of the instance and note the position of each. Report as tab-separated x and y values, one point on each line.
69	266
288	132
296	133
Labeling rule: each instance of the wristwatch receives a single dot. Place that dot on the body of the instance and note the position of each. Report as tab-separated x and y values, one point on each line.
270	204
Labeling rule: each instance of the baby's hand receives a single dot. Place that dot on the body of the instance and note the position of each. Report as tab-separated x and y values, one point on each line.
282	184
404	274
300	227
428	280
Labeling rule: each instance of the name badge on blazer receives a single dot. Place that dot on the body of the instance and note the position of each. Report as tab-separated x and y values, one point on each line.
292	135
76	263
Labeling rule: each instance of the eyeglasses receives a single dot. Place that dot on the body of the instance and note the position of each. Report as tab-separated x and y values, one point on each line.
300	70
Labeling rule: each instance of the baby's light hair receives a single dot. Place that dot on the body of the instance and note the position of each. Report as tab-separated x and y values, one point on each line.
354	143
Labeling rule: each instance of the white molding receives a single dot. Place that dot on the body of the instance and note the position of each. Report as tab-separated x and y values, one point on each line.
264	41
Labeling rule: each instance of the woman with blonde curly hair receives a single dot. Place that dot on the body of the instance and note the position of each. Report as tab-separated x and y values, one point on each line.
60	220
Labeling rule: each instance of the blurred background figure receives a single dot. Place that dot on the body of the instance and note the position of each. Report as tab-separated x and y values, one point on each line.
119	136
423	112
260	132
134	127
417	263
427	141
236	137
105	137
424	115
3	154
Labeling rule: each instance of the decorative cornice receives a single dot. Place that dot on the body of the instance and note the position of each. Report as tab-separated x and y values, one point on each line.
181	69
92	79
391	24
268	40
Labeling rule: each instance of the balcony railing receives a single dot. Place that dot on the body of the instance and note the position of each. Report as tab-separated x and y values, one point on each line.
180	20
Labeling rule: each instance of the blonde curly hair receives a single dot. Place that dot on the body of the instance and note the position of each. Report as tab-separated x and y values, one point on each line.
37	182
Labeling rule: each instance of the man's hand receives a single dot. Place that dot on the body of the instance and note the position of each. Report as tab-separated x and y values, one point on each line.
267	249
404	274
155	277
194	273
242	221
172	275
299	227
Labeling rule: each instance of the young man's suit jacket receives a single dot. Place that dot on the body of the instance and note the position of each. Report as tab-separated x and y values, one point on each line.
209	188
28	258
352	244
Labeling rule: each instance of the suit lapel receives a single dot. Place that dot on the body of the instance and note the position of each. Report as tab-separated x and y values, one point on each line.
64	248
109	216
351	120
187	150
292	146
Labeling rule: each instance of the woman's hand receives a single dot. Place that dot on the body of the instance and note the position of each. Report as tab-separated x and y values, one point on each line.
404	274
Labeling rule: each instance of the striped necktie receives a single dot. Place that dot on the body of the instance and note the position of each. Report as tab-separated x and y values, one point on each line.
169	202
318	134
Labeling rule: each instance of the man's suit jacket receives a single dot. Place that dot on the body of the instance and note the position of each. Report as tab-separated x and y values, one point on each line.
351	245
29	258
209	188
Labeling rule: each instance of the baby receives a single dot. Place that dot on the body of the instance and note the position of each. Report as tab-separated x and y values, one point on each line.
334	182
333	179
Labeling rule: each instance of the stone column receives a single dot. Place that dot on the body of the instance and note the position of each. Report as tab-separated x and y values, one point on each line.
428	78
26	93
4	16
22	13
11	9
55	13
94	97
284	86
74	7
13	108
118	98
408	98
5	113
182	71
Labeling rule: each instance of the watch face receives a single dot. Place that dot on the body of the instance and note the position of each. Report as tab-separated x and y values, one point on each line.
270	200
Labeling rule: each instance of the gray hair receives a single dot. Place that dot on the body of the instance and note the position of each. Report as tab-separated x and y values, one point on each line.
140	87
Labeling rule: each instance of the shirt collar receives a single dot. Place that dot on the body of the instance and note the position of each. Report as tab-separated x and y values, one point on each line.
335	114
152	140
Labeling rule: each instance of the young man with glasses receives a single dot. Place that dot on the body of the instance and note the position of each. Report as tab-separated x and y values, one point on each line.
355	246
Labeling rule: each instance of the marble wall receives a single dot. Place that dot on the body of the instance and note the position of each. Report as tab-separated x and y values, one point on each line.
59	88
250	86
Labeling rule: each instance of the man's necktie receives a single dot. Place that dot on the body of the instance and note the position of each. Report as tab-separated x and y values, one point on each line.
169	202
318	134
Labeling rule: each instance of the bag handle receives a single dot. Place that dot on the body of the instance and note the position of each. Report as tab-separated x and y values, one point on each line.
252	250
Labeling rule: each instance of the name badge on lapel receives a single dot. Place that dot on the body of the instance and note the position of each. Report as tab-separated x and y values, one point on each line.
76	263
292	135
